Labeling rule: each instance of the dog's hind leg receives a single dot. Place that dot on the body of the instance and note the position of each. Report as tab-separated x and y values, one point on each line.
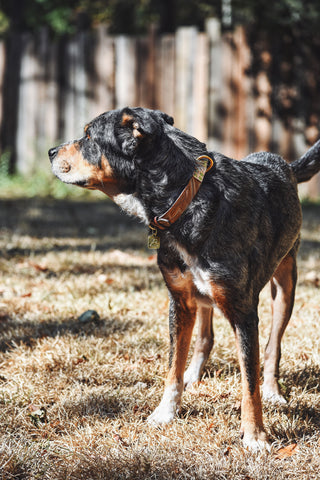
203	346
182	316
283	285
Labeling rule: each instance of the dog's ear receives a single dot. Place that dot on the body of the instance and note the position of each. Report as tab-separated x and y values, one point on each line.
134	133
128	120
165	117
141	126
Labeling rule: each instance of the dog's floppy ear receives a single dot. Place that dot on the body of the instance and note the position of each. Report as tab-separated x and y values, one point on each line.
140	126
134	133
128	120
165	117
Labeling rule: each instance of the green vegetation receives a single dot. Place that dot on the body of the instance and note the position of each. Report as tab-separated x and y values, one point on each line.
135	16
40	185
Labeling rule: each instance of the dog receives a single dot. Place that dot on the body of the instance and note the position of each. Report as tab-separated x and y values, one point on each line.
223	229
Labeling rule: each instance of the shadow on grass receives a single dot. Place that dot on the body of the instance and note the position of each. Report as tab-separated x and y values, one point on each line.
100	222
33	331
306	377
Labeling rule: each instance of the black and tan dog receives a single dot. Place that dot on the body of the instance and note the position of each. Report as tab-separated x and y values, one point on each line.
223	229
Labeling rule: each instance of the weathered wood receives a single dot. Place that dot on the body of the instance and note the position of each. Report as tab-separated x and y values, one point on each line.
227	93
200	94
102	76
28	107
186	41
125	72
166	74
50	89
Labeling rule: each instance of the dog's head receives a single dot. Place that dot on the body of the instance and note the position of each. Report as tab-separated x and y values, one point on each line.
105	158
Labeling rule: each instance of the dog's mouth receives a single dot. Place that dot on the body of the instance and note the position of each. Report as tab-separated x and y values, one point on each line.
69	165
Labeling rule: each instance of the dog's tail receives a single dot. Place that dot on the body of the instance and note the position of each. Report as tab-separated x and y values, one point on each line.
308	165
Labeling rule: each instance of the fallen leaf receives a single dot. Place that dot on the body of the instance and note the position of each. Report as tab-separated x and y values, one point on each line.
150	359
227	451
119	439
210	427
287	451
80	360
39	268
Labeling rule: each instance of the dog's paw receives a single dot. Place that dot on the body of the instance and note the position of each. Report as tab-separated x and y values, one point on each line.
256	443
162	415
273	396
191	378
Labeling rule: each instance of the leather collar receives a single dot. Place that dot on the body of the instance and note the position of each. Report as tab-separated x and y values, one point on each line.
165	220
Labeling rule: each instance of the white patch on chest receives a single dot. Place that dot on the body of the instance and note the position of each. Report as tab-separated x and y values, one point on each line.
131	205
201	277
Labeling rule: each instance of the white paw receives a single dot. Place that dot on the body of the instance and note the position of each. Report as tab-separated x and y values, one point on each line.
257	446
273	396
161	416
191	377
256	443
168	407
193	373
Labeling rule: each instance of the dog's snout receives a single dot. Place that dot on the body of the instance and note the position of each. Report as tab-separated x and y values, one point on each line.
52	153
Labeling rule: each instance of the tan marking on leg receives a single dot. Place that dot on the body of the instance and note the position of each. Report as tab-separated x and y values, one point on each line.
182	291
254	435
282	289
203	346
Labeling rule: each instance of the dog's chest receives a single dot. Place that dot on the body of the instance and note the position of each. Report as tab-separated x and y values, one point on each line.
131	205
201	276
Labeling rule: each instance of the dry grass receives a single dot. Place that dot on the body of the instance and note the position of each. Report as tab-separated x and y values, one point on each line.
75	393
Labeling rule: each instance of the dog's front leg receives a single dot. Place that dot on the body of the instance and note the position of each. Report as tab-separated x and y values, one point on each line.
202	347
252	430
183	309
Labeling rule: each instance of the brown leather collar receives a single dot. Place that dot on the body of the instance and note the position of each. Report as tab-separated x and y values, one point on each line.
186	196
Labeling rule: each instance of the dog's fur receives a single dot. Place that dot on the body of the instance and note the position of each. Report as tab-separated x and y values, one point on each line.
240	231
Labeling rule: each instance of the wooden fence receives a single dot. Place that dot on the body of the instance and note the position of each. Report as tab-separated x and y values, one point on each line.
50	89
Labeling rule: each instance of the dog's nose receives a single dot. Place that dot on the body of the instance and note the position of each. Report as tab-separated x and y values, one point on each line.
52	153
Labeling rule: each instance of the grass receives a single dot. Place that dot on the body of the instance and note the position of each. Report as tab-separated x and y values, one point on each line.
75	390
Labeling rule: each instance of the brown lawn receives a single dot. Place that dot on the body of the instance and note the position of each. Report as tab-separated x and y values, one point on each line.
75	391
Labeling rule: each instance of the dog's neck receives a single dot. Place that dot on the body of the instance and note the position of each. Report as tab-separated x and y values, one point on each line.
132	205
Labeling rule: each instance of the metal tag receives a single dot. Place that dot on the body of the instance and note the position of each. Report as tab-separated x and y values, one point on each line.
153	241
200	170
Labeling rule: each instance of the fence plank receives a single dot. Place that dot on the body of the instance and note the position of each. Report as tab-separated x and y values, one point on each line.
27	108
200	94
102	81
215	124
166	74
186	40
199	78
125	71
